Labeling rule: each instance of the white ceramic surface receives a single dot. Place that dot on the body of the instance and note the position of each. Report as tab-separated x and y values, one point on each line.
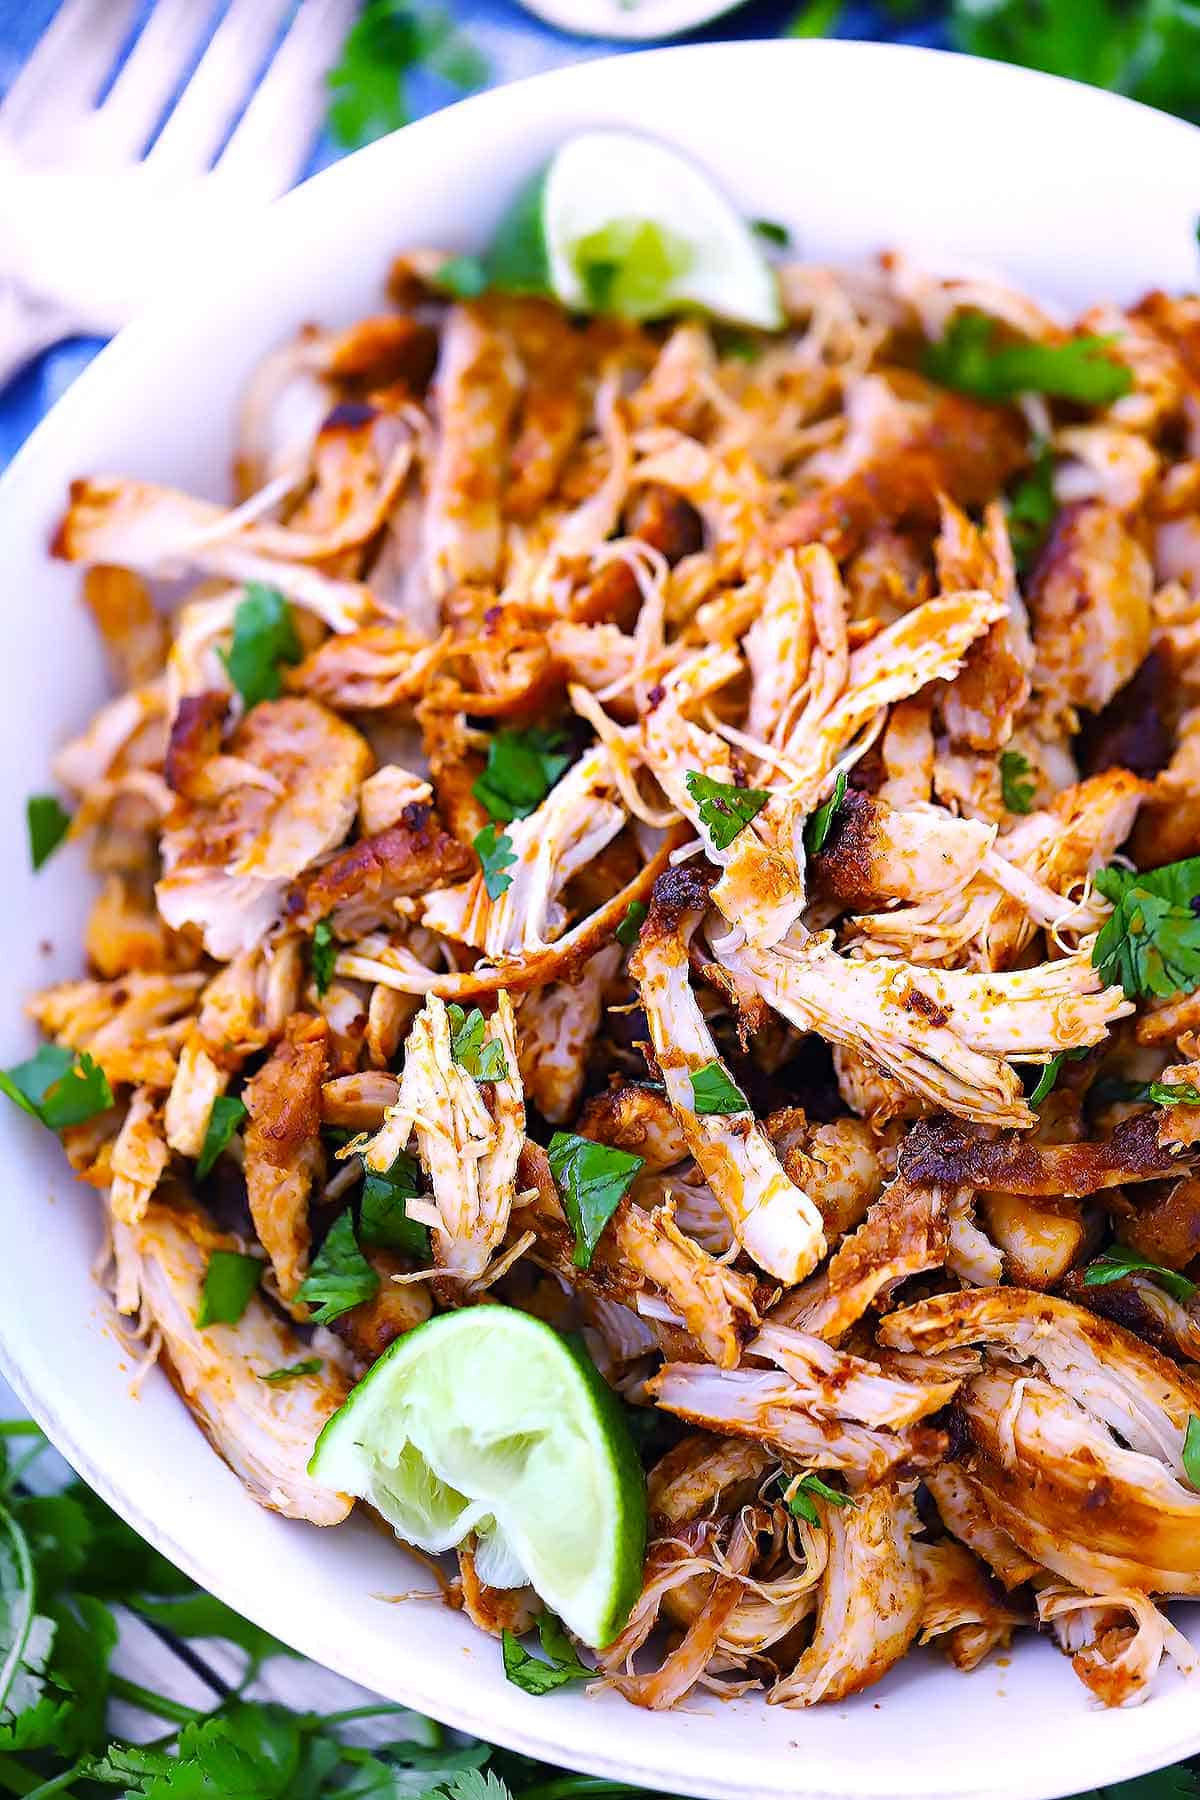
855	146
640	21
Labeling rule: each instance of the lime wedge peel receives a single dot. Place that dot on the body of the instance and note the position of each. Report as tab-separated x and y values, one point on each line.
619	222
486	1420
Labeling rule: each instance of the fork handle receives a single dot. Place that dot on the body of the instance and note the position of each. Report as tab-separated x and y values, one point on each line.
27	327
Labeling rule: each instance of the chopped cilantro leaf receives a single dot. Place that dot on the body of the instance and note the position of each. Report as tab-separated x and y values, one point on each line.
976	359
1174	1093
1151	943
264	639
58	1086
480	1056
229	1281
226	1115
1031	509
323	955
1115	1263
818	18
724	809
819	823
496	855
386	43
383	1215
1017	793
533	1676
630	927
714	1092
341	1276
808	1490
1191	1451
1047	1079
593	1179
312	1365
522	767
49	823
772	232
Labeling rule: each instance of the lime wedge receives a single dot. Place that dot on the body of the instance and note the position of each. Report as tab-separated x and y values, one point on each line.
485	1420
618	223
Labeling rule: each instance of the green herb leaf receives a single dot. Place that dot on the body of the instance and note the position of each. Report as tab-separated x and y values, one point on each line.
462	277
1174	1093
340	1277
1017	793
229	1282
1047	1079
387	42
264	640
522	767
312	1365
820	18
383	1218
808	1490
323	955
725	810
1032	507
1118	1261
772	232
629	930
49	823
485	1784
60	1087
592	1179
1191	1451
819	823
480	1056
975	358
1151	944
496	855
714	1092
226	1115
532	1675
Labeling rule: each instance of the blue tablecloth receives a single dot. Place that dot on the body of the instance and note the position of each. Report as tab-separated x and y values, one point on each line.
515	43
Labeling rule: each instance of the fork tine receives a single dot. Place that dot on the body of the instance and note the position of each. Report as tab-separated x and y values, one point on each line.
69	65
268	148
152	72
192	135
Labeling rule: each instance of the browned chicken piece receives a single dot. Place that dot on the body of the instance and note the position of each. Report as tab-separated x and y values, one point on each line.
889	575
1165	1021
133	1026
382	351
960	1608
356	888
1139	1304
656	516
875	853
368	670
397	1307
843	1165
1168	826
554	403
872	1094
869	1602
455	760
980	706
1039	1243
126	932
138	1158
494	1610
1090	605
716	1303
703	1475
965	1514
135	634
283	1145
245	1004
1165	1223
638	1119
476	388
952	1154
359	1102
1116	1642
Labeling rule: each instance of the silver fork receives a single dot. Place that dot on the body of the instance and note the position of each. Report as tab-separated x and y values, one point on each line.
90	218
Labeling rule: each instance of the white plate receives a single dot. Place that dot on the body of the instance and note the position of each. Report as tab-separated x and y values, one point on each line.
1076	195
637	20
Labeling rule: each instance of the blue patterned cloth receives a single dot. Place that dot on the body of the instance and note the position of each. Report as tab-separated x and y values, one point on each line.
515	43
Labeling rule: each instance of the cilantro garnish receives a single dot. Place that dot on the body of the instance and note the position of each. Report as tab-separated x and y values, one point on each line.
1151	944
629	930
772	232
383	1216
386	43
58	1086
1031	508
311	1365
496	855
323	955
48	822
264	640
714	1092
1174	1093
808	1490
1017	793
229	1282
1047	1079
480	1056
1118	1261
724	809
340	1277
593	1179
226	1115
819	823
522	767
1191	1451
975	358
533	1676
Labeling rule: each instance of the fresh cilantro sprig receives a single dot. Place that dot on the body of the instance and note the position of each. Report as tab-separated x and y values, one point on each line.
522	767
629	930
530	1673
60	1087
1151	943
226	1115
976	358
725	810
593	1179
819	823
309	1365
48	822
264	642
1191	1451
230	1282
496	855
389	40
1174	1093
714	1092
340	1277
1118	1261
1032	507
479	1055
322	955
802	1498
383	1219
1016	792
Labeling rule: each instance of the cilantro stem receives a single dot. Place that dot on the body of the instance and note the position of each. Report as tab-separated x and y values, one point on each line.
59	1784
158	1704
20	1428
16	1779
431	1734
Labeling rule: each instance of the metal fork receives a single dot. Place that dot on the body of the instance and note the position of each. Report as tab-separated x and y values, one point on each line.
97	202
